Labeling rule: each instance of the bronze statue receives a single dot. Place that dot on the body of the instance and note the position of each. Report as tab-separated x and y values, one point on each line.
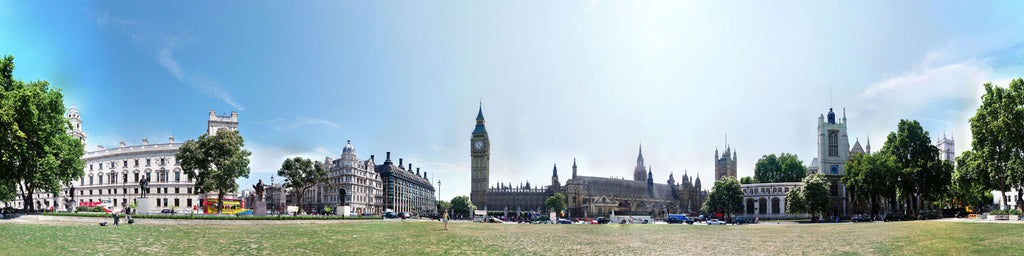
144	184
259	187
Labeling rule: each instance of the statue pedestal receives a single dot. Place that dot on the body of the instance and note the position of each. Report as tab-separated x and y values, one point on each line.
143	205
259	208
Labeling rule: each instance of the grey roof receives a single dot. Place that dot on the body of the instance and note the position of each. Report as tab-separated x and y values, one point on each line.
600	186
389	169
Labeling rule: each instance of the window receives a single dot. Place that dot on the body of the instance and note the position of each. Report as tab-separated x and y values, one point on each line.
189	190
834	188
136	190
90	167
162	161
148	176
188	202
176	203
177	176
136	177
81	181
165	201
136	162
101	180
176	191
833	143
125	163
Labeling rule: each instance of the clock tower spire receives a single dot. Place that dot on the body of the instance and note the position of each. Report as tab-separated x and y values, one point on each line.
480	153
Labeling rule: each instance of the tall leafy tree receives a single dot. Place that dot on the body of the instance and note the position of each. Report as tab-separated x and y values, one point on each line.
36	152
795	201
215	162
996	157
970	187
300	174
556	202
726	197
747	180
815	194
461	204
783	168
921	174
869	178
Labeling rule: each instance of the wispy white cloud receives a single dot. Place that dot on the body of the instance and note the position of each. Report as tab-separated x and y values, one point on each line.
290	124
161	42
592	6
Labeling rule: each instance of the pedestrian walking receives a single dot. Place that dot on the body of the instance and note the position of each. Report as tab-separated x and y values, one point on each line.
115	218
445	219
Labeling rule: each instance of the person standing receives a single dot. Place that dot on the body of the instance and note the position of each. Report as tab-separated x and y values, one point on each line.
445	219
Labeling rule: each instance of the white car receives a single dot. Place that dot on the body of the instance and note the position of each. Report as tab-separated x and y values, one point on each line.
715	222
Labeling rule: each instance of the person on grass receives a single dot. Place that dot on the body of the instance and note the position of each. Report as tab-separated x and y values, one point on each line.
444	218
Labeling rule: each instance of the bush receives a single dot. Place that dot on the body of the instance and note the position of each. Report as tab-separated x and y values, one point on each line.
218	217
1005	212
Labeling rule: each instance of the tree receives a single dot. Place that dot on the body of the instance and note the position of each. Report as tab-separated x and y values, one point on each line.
555	202
969	187
795	202
215	162
461	204
36	152
870	178
920	175
814	194
784	168
726	197
747	180
443	205
996	158
300	174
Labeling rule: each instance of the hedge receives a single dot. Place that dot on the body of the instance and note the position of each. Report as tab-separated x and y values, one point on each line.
216	217
1005	212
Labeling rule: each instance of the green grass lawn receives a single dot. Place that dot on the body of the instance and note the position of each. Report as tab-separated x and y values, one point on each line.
427	238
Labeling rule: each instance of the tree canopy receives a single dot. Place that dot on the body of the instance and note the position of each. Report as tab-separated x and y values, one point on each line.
870	178
996	158
461	204
920	172
556	202
300	174
784	168
726	197
36	152
215	162
814	194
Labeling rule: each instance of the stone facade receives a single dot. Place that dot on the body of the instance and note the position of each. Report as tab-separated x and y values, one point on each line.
725	164
768	200
112	175
353	182
405	190
833	152
480	150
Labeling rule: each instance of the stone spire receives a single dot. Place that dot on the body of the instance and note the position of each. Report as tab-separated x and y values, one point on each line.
574	168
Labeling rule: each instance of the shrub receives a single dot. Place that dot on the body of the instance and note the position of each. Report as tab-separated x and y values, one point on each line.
1005	212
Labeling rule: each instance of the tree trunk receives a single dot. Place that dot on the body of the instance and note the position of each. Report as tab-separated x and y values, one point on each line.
27	197
220	199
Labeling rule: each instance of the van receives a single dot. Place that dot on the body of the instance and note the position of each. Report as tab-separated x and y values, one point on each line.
678	218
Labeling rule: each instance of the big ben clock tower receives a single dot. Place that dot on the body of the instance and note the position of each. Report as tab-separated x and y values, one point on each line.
480	150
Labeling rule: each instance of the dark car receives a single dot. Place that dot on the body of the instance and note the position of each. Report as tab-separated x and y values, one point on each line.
744	220
435	216
390	215
678	218
167	211
862	218
603	220
564	221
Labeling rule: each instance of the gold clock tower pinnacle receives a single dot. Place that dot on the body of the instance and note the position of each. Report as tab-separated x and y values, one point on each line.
480	150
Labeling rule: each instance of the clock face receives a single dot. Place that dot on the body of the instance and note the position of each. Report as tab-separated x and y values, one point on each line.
835	169
478	145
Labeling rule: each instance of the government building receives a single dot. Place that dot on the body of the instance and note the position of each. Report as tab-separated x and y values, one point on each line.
587	196
111	176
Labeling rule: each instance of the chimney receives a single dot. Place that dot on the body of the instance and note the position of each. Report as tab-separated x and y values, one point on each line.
425	176
145	141
410	167
399	162
417	170
371	158
388	156
122	144
171	138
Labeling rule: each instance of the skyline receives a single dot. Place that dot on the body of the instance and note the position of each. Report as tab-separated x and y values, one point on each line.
585	80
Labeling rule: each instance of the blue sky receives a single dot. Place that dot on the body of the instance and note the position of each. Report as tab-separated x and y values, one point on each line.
558	80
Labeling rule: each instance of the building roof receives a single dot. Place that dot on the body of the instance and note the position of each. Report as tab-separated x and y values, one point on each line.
600	186
390	169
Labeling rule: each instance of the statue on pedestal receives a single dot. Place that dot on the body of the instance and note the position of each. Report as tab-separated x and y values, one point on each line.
144	185
259	187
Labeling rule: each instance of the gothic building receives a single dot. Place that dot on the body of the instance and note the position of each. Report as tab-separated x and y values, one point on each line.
587	196
725	165
947	149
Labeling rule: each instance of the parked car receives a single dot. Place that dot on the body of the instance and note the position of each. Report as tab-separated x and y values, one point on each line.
715	222
167	211
603	220
390	215
862	218
678	218
494	220
744	220
435	216
564	221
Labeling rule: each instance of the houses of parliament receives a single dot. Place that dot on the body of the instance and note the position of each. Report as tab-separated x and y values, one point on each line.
587	196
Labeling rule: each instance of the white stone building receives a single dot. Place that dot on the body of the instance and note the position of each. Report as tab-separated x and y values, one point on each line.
352	182
112	175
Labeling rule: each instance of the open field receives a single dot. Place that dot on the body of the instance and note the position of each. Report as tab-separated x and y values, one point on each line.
427	238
